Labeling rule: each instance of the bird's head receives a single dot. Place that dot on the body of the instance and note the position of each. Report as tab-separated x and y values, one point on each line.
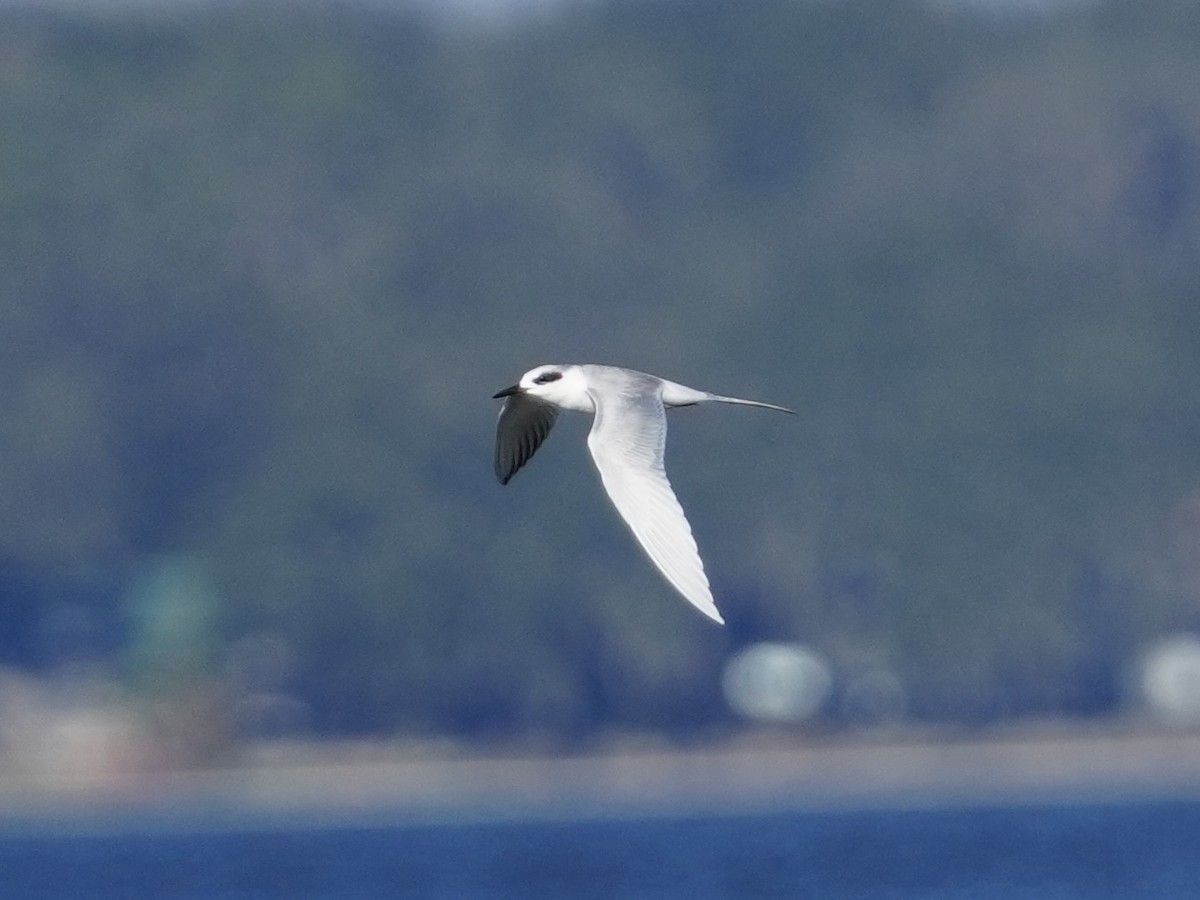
564	386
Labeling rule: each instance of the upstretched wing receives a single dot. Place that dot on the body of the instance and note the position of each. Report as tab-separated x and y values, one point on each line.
523	424
627	441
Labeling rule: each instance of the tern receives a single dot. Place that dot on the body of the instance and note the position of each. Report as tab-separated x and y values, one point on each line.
627	440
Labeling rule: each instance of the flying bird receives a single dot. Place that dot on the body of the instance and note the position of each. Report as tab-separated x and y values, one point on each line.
627	440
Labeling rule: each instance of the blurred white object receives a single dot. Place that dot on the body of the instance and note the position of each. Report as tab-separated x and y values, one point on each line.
777	682
1170	679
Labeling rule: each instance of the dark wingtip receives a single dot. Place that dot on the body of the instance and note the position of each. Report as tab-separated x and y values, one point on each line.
504	473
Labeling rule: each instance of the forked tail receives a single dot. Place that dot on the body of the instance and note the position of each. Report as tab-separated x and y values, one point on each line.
741	402
675	394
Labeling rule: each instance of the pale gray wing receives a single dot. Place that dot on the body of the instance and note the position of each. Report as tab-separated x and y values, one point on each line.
523	424
627	441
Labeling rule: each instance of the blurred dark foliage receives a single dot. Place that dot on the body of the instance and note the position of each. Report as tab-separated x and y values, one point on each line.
262	268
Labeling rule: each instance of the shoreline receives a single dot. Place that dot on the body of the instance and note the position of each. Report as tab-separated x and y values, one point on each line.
327	784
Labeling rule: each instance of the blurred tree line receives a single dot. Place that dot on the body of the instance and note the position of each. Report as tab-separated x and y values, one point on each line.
262	267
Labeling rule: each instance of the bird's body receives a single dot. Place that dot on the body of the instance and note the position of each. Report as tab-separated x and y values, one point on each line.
627	440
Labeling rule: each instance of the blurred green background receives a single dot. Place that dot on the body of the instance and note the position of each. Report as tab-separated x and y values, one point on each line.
263	266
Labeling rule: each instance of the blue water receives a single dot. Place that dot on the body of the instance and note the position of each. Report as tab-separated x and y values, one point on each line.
1118	850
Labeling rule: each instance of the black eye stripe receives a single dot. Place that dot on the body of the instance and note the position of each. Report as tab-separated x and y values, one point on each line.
547	377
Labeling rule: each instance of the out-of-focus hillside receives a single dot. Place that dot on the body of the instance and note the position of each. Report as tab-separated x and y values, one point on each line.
262	269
